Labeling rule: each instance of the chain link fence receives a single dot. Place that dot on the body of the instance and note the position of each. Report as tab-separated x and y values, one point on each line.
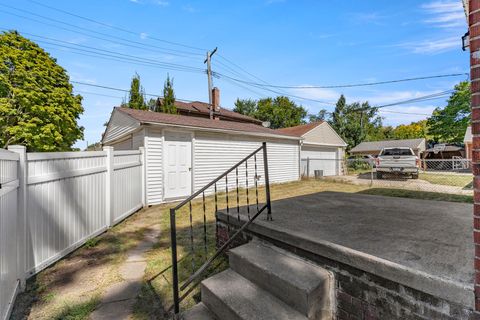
451	176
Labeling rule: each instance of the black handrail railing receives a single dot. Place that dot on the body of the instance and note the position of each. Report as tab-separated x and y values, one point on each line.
196	275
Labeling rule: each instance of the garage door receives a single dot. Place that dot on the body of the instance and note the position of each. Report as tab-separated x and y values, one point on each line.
319	158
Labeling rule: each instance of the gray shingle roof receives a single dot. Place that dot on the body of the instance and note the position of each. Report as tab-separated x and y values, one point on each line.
379	145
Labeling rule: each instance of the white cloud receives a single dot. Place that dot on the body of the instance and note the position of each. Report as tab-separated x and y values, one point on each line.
162	3
316	93
433	46
189	8
445	14
143	35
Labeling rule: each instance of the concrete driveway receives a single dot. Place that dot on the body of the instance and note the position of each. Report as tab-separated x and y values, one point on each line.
400	183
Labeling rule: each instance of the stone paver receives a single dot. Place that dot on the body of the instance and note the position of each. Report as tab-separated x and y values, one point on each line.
118	299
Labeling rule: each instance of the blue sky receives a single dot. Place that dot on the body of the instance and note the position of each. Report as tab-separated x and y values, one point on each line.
282	42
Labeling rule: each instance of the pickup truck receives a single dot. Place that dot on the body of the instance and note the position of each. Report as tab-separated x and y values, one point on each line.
397	161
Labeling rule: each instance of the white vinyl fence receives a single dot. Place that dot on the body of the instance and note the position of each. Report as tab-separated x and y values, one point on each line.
51	203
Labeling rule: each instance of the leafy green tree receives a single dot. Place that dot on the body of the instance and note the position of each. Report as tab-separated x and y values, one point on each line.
37	106
281	112
449	124
136	99
247	107
167	104
411	131
356	122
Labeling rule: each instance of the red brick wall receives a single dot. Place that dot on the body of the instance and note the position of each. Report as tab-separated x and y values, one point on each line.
474	27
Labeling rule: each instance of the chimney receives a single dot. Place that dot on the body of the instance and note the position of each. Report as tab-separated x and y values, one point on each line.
216	99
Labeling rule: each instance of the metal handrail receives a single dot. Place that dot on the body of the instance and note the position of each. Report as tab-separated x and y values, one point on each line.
195	276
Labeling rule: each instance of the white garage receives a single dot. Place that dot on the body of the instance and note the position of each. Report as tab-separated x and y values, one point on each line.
322	149
184	153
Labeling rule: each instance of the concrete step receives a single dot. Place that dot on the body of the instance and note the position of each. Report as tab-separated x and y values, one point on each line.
232	297
302	285
198	312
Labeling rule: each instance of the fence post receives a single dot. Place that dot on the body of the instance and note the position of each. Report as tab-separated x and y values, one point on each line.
109	187
144	175
22	213
308	167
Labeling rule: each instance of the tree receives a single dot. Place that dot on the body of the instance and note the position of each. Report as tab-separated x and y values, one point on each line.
449	124
37	106
136	99
281	112
355	122
411	131
167	104
247	107
322	115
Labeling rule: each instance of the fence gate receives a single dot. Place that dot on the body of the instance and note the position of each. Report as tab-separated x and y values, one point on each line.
9	183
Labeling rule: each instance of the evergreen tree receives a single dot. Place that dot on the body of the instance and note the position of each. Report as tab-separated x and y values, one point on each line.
136	99
37	106
167	104
247	107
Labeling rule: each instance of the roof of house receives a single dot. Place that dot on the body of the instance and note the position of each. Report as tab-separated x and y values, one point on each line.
379	145
468	135
446	148
204	109
144	116
301	129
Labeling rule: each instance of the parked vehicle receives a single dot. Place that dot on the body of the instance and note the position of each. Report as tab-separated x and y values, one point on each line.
397	161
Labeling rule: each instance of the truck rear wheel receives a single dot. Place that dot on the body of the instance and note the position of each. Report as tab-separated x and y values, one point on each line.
415	176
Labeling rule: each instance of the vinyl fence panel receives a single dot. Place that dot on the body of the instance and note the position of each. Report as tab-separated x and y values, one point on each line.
8	231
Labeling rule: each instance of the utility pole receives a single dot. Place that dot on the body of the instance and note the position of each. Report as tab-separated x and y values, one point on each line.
209	75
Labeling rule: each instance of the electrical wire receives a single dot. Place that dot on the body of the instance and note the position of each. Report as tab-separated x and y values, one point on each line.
344	85
114	27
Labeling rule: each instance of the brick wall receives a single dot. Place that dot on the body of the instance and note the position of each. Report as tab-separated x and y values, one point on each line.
365	296
474	28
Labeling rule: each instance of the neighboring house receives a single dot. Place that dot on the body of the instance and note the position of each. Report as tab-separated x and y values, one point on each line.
321	149
184	153
202	110
468	142
444	151
374	147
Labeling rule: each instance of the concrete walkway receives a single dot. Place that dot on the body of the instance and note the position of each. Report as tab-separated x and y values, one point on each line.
118	299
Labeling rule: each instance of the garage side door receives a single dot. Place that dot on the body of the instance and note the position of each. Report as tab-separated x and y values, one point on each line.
319	158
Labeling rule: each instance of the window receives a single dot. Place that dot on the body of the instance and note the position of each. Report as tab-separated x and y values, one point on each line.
397	152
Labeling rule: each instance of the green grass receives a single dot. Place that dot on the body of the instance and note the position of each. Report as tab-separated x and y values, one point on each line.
402	193
78	311
456	180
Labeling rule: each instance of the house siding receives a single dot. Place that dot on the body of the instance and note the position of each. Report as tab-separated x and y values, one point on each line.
214	154
123	145
323	134
154	156
119	125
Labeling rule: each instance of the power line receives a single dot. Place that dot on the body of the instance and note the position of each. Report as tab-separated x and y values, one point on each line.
122	90
165	50
345	85
110	53
114	27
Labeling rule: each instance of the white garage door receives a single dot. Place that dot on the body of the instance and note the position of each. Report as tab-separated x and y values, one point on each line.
319	158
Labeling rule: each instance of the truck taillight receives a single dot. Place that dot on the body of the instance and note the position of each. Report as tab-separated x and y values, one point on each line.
377	161
418	162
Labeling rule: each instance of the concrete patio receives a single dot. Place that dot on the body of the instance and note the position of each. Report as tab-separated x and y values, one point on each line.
421	244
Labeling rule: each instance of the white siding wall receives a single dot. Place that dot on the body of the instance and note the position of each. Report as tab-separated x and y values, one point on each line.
123	145
216	153
320	158
138	139
118	126
154	162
